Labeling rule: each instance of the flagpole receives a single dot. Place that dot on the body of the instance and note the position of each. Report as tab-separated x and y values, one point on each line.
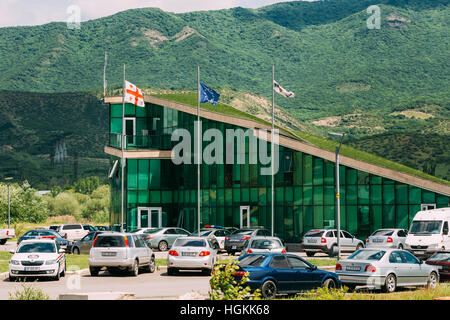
198	148
123	147
104	75
272	141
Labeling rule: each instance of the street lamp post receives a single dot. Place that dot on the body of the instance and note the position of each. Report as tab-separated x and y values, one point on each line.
9	201
338	196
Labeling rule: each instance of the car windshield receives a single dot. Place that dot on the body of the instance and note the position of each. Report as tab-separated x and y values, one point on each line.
243	231
204	233
44	247
440	257
110	242
189	243
252	260
314	233
155	230
426	227
265	244
367	255
383	233
135	230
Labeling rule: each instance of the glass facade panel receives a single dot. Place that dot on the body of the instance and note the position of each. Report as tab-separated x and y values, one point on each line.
304	193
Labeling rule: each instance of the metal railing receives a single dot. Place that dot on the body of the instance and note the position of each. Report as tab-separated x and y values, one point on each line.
141	142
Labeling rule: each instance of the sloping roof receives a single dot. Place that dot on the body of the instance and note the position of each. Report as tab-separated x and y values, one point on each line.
293	142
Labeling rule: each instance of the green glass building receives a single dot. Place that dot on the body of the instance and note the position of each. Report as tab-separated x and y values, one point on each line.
161	193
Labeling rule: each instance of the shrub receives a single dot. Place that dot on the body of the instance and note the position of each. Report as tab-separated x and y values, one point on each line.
28	293
225	287
64	204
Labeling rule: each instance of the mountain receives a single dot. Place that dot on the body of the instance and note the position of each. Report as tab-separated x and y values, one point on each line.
376	85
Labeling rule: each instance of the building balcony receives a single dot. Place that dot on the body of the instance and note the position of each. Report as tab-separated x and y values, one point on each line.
143	146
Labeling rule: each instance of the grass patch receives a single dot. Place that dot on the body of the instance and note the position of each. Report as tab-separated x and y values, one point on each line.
442	290
322	262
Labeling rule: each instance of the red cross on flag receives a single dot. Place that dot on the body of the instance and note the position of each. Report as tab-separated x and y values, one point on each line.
133	95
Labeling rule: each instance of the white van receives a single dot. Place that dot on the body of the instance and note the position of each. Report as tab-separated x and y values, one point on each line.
429	232
72	232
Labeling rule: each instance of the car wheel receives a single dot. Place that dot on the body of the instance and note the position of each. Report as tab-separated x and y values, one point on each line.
269	289
135	268
333	251
12	279
390	284
152	265
63	273
58	275
76	250
94	271
359	246
310	254
163	246
329	284
432	280
3	241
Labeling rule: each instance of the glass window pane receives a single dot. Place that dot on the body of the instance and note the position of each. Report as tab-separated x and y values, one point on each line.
307	170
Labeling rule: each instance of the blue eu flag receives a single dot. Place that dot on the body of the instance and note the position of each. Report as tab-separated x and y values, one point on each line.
208	95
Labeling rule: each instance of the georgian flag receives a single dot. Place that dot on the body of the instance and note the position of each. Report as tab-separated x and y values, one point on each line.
279	89
133	95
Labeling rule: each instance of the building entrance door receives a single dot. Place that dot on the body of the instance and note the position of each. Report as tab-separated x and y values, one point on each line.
150	217
245	216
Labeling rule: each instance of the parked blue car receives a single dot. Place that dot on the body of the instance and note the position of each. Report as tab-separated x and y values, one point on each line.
279	273
46	234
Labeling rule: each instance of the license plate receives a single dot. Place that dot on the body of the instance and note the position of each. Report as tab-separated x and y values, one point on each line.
32	268
312	241
419	252
378	240
109	254
353	268
233	247
188	254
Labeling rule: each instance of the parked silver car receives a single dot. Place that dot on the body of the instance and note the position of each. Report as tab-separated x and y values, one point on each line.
264	244
387	238
192	253
163	238
325	241
218	235
120	252
385	269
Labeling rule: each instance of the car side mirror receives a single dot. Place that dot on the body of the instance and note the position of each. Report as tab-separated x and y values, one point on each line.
12	251
61	251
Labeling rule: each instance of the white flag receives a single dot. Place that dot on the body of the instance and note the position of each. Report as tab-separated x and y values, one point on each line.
133	95
279	89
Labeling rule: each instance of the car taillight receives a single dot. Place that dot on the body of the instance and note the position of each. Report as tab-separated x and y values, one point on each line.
227	238
149	237
7	232
323	240
173	253
283	251
93	243
48	237
389	239
239	274
126	241
367	240
245	238
204	253
249	251
338	266
370	269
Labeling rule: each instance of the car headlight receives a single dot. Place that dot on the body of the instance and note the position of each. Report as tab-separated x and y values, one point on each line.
50	262
15	262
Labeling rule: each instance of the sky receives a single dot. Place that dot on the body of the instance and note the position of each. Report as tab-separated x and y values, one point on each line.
36	12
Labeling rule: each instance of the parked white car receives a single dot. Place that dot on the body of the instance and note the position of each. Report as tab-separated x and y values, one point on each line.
6	234
325	241
192	253
264	244
120	252
72	232
37	258
429	232
386	269
387	238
